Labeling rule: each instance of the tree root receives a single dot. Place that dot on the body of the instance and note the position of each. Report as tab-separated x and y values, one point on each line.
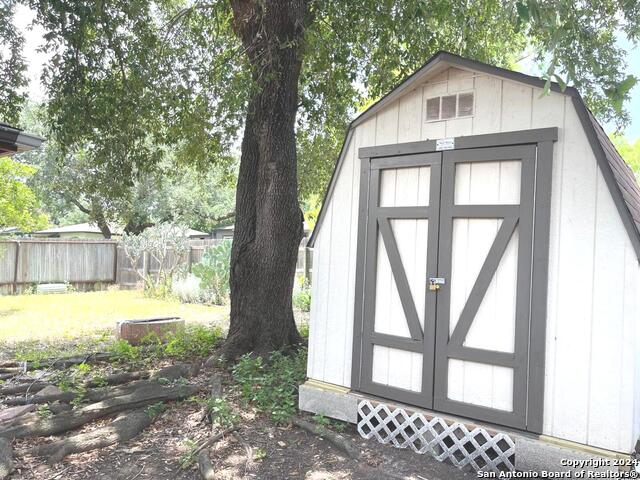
179	370
40	399
66	362
6	458
170	373
204	462
124	427
205	466
34	387
118	379
339	441
65	421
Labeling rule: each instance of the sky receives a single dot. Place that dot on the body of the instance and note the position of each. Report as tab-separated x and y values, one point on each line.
34	38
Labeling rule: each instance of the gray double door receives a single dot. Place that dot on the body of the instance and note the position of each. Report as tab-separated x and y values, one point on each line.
445	281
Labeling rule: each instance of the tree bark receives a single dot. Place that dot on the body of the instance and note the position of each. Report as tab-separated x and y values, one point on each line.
269	222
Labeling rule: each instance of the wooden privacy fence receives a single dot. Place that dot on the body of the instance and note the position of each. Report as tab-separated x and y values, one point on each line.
88	263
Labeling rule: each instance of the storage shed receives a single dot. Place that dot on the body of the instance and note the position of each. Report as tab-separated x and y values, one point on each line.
476	259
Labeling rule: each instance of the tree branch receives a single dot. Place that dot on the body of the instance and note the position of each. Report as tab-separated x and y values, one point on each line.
173	21
224	217
81	207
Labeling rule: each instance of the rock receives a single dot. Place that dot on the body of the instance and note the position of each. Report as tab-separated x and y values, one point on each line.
6	458
50	390
15	412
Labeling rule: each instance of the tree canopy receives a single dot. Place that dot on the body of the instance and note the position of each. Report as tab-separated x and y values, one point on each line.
74	188
18	203
129	79
630	152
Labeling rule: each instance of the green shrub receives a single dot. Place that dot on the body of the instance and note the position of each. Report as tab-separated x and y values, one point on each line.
187	342
213	272
303	330
192	341
302	296
272	385
123	351
221	411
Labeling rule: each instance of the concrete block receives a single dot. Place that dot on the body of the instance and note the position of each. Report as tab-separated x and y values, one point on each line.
538	456
134	331
338	405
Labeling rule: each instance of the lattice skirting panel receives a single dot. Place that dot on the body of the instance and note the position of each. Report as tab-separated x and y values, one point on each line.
461	444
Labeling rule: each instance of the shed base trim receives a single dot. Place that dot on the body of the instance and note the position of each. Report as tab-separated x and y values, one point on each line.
328	400
530	453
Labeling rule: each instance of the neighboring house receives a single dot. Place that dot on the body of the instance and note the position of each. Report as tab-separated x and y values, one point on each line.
197	234
223	233
79	230
11	232
13	140
91	231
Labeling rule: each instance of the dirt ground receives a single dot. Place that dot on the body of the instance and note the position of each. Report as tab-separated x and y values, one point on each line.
259	449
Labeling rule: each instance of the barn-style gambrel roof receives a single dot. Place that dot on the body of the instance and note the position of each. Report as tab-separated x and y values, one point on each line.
619	178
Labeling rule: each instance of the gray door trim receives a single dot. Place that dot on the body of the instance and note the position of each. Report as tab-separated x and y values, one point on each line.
378	221
518	137
539	284
379	157
448	347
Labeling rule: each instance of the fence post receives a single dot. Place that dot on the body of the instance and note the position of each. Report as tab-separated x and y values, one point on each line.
145	264
15	268
115	262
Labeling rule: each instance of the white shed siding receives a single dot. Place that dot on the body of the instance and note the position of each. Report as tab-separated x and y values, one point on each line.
592	388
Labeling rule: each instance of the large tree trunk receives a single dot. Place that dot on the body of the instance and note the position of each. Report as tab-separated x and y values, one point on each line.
269	222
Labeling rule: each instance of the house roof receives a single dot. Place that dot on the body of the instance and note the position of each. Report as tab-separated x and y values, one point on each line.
196	233
618	176
89	227
13	140
86	227
9	230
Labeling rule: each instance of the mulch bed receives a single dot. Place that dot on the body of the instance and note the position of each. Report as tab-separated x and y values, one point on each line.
258	449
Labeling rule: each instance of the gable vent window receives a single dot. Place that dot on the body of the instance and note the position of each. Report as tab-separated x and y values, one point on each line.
433	108
448	109
450	106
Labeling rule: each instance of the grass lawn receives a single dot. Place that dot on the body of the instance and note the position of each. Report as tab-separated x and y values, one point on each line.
61	317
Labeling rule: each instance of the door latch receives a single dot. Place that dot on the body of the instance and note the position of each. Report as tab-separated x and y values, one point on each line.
435	283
